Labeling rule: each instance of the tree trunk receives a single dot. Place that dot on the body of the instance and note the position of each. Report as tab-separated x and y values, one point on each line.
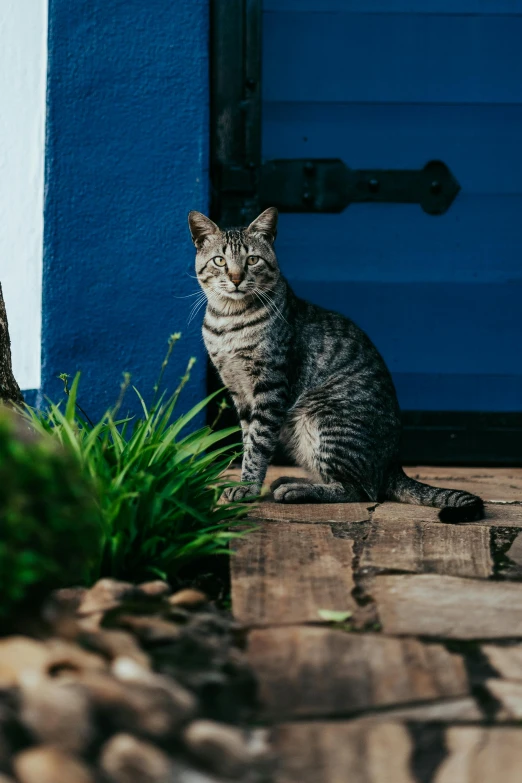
9	389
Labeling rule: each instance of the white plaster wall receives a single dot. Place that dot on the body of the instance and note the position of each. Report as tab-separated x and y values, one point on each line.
23	64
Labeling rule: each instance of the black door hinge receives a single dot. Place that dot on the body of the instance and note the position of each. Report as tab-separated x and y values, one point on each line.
242	183
329	185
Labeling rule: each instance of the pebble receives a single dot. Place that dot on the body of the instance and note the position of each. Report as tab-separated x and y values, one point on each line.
57	713
221	748
188	598
155	589
45	764
21	658
150	629
104	595
68	657
115	644
144	709
129	760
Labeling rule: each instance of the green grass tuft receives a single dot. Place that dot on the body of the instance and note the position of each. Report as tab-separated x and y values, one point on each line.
156	483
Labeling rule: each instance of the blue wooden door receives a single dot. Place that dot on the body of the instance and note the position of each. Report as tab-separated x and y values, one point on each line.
395	84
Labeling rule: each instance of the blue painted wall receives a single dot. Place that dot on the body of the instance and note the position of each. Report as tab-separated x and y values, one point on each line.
126	159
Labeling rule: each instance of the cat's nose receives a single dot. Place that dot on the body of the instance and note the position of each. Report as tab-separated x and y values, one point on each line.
236	278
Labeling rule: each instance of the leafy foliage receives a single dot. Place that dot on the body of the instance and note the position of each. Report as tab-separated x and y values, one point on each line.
157	485
50	524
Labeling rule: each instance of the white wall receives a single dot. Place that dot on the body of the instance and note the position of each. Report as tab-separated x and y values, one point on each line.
23	63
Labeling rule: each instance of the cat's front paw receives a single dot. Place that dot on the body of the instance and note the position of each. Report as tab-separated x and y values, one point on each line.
294	492
243	494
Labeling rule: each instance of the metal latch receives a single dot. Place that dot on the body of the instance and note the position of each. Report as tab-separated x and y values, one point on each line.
329	185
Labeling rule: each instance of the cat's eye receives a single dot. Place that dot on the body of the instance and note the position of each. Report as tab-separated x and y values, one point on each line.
219	261
251	260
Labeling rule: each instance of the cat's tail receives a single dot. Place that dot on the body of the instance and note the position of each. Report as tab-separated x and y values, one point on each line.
455	504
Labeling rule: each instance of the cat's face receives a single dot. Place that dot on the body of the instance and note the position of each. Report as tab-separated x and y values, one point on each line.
236	263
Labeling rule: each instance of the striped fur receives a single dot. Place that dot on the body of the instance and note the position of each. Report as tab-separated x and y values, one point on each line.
305	377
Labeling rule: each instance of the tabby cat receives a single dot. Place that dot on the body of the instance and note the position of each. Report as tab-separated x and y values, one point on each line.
304	376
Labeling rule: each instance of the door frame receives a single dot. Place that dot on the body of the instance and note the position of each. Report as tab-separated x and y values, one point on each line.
429	437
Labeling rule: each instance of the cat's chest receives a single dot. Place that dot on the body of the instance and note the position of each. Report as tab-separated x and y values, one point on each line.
234	354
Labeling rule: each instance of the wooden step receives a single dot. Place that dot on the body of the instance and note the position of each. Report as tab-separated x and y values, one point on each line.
370	751
423	547
287	573
344	753
448	607
481	755
496	514
306	672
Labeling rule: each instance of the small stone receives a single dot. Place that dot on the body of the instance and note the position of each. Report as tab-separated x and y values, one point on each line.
188	598
21	658
129	760
63	604
129	671
213	623
57	713
259	744
155	589
221	748
178	615
114	644
186	774
146	709
68	657
150	629
104	595
45	764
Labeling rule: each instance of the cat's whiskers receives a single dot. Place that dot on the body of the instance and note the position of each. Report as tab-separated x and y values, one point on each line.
268	305
188	296
198	304
271	304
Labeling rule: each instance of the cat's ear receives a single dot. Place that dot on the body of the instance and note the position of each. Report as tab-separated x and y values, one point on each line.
265	224
201	227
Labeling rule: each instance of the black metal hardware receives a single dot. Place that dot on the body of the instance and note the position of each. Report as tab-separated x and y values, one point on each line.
235	109
242	183
329	185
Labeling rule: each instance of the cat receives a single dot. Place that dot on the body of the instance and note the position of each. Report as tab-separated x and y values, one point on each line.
305	377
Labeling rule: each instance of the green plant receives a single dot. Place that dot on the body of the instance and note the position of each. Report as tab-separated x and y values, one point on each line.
50	524
157	486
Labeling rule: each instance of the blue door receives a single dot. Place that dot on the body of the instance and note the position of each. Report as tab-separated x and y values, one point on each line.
393	84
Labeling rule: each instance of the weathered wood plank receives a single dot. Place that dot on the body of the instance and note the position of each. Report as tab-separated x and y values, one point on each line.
480	755
515	550
286	573
312	672
497	515
455	550
464	710
505	659
448	607
509	695
488	483
311	512
343	753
